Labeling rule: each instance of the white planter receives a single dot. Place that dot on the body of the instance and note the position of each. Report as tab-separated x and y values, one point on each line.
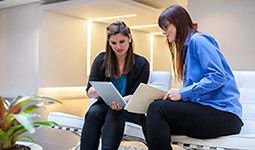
33	146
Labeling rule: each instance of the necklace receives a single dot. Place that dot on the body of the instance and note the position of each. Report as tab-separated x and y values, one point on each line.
120	63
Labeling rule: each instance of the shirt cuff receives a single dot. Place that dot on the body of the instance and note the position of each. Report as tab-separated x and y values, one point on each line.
187	93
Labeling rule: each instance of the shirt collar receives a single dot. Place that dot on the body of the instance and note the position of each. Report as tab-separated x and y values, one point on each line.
191	32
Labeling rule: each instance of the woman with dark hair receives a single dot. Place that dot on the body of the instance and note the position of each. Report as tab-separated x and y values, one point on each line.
126	71
208	104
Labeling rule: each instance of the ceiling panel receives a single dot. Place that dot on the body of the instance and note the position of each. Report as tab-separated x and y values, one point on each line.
108	8
147	11
158	4
12	3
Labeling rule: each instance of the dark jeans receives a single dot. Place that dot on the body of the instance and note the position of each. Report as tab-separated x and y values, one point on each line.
101	119
166	118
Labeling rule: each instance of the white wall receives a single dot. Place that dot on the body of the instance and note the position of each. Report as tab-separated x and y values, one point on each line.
19	36
63	50
232	24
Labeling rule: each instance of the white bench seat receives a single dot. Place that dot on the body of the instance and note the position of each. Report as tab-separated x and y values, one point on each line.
243	141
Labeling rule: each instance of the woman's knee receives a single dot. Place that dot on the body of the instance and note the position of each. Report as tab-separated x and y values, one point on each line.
114	115
155	107
164	106
96	112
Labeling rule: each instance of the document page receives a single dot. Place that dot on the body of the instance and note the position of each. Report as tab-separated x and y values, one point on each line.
143	96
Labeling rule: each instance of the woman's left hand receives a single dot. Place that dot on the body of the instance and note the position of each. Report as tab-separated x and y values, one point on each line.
116	106
173	95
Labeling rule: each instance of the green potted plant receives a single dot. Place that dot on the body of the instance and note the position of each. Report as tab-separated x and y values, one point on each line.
15	120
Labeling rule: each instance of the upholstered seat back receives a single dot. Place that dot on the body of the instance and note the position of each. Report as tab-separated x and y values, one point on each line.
160	79
246	84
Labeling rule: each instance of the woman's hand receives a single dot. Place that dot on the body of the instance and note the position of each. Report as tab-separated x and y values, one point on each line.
173	95
116	106
92	93
127	98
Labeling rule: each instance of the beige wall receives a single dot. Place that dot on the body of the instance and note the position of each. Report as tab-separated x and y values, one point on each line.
161	54
232	24
162	58
69	44
63	50
64	45
49	49
98	39
141	42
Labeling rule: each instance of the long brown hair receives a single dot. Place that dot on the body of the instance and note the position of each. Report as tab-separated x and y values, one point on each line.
180	18
111	62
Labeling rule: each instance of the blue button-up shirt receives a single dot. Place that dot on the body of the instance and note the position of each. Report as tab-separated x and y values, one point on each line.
208	79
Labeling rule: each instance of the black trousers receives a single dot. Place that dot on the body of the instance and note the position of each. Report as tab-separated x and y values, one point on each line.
101	119
166	118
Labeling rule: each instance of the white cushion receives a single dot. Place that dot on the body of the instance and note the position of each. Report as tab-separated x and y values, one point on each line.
160	79
133	130
245	79
66	120
241	142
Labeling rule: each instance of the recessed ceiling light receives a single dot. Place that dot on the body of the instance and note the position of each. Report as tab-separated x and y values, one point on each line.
144	26
113	17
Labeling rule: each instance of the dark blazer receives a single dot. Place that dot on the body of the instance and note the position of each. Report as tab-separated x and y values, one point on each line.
139	73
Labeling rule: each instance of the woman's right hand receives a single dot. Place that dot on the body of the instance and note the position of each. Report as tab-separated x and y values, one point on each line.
92	93
173	95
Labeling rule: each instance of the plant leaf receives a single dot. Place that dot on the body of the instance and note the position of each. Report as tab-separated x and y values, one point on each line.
25	120
21	100
17	133
5	141
2	108
19	129
46	98
15	99
14	129
46	123
8	121
19	103
30	108
17	121
3	136
26	137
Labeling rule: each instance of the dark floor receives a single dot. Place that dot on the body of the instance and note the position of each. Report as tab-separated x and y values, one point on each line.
53	139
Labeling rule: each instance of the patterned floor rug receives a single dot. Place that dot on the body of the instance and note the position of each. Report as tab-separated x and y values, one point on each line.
127	147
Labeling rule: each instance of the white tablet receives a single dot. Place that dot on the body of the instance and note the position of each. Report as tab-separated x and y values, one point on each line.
108	92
